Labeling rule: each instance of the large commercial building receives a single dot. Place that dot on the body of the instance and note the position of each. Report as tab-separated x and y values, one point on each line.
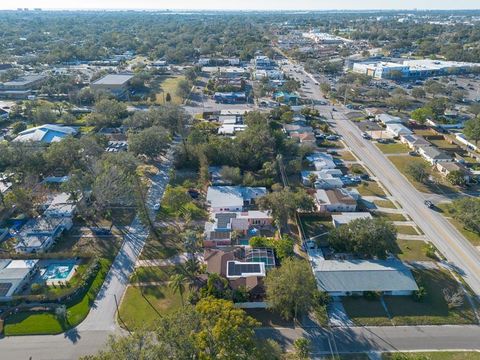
21	87
115	84
412	69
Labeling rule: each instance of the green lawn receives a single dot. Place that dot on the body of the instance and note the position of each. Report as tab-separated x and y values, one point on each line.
346	155
440	355
137	310
390	216
152	274
471	236
393	148
315	225
412	250
385	204
406	230
433	310
370	188
365	312
31	323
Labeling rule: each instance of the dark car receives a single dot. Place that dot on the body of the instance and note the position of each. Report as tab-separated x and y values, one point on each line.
429	204
101	231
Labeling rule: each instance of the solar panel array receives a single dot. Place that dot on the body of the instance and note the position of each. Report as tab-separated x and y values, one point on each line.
235	269
4	288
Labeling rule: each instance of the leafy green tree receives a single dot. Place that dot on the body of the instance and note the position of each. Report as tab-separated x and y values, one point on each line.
418	171
399	102
421	115
183	89
302	348
225	331
418	93
290	288
367	238
456	177
467	211
285	203
150	142
231	174
43	115
18	127
472	129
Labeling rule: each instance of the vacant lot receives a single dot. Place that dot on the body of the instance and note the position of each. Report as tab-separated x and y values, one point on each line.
316	225
168	85
143	306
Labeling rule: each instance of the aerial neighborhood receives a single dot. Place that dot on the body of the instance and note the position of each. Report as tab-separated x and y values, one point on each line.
239	185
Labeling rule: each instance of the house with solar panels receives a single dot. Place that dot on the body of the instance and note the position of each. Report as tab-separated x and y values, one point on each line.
242	268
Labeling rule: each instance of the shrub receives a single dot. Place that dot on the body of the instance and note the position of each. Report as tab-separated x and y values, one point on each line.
36	288
420	294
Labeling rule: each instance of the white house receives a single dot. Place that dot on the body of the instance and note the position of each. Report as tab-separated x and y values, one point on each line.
388	119
336	200
232	198
346	218
414	142
325	179
14	275
433	155
60	206
321	161
398	129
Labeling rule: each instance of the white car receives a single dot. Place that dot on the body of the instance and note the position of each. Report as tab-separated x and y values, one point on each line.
156	207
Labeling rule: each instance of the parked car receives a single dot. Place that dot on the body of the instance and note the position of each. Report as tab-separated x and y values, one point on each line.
366	136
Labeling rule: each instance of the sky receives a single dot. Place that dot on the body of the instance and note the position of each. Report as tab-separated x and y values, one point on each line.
242	5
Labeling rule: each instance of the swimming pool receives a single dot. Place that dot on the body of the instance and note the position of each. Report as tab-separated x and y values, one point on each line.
58	272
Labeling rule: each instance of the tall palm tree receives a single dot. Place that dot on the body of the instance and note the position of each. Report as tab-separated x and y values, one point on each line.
177	283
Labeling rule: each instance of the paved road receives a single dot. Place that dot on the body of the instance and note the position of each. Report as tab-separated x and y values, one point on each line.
458	250
385	338
92	333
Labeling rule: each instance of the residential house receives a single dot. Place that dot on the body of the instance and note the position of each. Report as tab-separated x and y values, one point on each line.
433	155
346	218
242	269
231	129
446	167
60	206
114	84
321	161
305	138
286	97
230	97
15	275
335	200
374	112
463	139
355	277
39	234
219	229
233	198
398	129
325	179
386	119
414	142
46	134
297	128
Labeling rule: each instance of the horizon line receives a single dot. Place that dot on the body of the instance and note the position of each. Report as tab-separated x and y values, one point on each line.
236	10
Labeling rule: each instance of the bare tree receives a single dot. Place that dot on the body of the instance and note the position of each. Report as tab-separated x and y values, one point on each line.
454	298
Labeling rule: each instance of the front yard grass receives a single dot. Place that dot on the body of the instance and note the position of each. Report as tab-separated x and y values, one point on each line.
406	230
436	355
385	204
346	155
471	236
413	250
393	148
45	323
365	312
142	306
370	188
390	216
433	310
151	274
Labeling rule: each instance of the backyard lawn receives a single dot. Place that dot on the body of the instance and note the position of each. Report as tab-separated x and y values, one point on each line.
30	323
393	148
315	225
142	310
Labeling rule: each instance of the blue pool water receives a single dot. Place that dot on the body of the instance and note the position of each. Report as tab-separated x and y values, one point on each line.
57	271
244	242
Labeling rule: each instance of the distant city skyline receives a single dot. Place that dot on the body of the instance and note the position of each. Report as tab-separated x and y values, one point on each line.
245	5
